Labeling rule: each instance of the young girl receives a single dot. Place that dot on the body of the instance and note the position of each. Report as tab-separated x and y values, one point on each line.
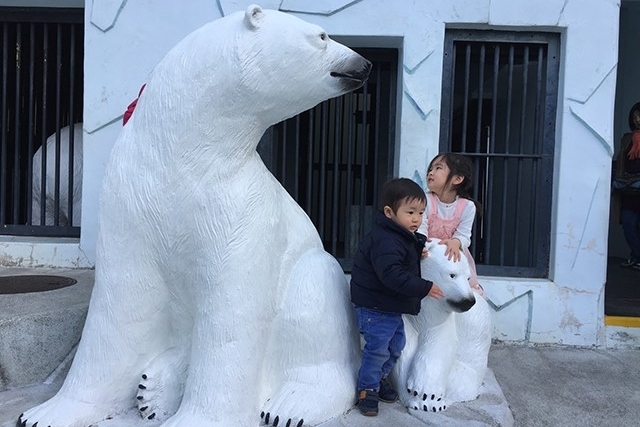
450	212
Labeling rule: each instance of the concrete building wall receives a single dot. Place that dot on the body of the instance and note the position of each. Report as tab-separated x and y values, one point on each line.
126	39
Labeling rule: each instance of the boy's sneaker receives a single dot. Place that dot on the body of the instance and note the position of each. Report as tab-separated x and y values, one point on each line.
368	402
636	266
629	263
387	393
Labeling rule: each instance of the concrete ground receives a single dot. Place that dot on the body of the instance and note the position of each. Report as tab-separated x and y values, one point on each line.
525	386
544	387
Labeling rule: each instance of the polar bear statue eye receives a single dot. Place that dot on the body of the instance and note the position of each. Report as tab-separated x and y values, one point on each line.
323	36
453	276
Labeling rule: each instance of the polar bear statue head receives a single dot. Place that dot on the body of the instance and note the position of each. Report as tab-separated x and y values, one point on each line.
254	66
451	276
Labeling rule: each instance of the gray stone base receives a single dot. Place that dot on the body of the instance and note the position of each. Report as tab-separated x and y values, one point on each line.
489	410
39	330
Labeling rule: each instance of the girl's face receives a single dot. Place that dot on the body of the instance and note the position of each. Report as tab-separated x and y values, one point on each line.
437	176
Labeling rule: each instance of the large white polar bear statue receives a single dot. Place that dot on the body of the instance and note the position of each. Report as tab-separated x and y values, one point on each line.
445	359
205	267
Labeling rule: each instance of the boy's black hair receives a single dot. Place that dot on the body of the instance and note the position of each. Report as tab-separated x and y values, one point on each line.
399	190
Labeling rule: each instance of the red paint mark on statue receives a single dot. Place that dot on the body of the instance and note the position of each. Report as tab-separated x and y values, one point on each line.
131	107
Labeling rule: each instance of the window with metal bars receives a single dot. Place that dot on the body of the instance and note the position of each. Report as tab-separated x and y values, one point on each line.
499	98
41	81
333	158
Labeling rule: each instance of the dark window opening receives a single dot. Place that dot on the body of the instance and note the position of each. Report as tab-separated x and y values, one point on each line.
41	92
499	108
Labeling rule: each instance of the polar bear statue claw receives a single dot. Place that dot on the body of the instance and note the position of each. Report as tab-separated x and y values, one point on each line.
276	421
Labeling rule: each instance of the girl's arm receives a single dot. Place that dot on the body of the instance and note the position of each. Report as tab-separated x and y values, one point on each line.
463	232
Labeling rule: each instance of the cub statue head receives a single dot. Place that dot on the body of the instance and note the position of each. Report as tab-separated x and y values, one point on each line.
451	276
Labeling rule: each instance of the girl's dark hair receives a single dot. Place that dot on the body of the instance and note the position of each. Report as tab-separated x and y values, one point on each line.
458	165
636	107
461	165
398	190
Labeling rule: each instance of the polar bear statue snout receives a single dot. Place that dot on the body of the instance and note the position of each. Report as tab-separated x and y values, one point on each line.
460	306
353	73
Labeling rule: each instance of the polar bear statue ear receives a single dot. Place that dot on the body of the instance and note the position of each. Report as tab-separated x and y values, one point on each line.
253	16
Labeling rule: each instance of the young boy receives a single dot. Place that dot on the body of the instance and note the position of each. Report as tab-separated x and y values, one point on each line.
385	283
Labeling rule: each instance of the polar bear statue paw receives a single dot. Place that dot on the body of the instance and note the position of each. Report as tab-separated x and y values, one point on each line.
161	387
62	411
268	420
287	407
428	402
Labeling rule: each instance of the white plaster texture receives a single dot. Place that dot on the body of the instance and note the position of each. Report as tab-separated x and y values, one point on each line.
118	61
585	77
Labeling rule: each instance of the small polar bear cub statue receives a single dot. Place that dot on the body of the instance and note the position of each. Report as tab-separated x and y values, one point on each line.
445	359
214	301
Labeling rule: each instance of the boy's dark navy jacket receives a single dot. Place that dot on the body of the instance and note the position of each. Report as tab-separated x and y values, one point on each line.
386	270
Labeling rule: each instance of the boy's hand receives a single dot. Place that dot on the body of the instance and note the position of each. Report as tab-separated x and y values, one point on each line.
435	292
453	249
425	253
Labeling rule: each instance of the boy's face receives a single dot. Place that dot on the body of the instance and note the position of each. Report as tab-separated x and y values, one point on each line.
409	214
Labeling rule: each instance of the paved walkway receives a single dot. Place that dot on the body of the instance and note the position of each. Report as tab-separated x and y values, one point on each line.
544	387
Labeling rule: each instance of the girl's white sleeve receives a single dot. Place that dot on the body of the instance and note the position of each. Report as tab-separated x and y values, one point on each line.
463	232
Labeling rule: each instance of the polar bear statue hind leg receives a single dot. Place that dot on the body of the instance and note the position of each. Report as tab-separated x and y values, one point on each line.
311	361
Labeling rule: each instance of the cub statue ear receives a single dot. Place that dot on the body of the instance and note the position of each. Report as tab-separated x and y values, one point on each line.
432	244
253	17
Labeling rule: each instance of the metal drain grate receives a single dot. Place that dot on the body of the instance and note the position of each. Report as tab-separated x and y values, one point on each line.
33	283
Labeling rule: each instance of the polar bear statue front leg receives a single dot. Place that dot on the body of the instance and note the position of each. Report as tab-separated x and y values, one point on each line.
430	357
473	330
117	343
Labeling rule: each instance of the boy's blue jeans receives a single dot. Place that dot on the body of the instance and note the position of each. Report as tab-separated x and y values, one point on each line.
384	340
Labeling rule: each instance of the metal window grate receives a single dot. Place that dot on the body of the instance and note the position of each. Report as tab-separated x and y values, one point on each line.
499	107
333	158
41	65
